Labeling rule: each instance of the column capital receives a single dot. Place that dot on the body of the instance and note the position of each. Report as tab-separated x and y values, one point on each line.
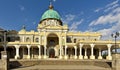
81	45
28	46
109	45
92	45
75	47
38	46
66	46
17	46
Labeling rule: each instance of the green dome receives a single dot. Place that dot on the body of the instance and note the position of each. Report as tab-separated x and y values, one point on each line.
50	14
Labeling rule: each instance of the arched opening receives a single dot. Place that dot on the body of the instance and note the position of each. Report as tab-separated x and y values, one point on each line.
52	43
51	53
52	40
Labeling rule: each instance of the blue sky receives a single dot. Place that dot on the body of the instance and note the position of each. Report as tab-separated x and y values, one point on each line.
81	15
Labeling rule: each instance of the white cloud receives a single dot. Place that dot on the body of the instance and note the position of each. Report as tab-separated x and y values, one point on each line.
22	8
113	3
68	18
112	7
112	17
107	32
97	10
74	25
107	19
108	7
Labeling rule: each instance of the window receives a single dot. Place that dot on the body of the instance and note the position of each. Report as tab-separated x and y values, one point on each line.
69	40
74	40
37	40
27	39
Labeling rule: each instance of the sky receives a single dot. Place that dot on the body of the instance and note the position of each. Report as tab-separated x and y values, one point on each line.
80	15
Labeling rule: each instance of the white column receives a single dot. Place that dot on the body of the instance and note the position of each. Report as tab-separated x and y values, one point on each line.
75	47
28	56
45	56
100	56
66	57
17	56
109	57
60	44
60	52
39	57
92	51
80	55
85	57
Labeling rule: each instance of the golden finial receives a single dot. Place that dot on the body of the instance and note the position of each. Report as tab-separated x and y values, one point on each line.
51	6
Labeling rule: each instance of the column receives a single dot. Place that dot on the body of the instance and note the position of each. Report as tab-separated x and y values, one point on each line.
17	56
45	56
66	57
85	57
60	44
28	56
39	56
109	57
75	47
60	52
100	56
92	51
80	55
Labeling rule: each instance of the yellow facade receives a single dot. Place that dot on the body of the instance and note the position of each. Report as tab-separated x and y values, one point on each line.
54	40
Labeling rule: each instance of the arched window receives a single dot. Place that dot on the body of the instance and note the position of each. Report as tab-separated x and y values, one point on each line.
74	40
37	40
27	39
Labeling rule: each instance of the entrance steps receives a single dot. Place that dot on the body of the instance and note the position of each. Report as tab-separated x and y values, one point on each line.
60	65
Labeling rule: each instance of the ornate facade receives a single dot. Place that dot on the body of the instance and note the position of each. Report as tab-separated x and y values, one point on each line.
54	40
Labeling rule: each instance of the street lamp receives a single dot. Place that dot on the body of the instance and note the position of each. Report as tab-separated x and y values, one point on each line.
115	35
4	32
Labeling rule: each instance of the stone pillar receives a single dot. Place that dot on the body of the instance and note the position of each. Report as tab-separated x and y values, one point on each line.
66	57
75	47
109	57
5	60
92	51
85	57
80	55
39	57
45	56
60	52
17	56
60	44
100	56
28	56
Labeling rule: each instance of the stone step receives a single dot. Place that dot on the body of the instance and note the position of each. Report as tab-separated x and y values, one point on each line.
62	67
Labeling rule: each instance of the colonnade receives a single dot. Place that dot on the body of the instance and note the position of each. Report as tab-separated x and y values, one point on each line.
65	56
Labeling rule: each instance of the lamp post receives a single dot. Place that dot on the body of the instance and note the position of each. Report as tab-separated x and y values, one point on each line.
4	32
115	35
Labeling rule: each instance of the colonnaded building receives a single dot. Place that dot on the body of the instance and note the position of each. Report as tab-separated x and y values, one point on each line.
54	40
